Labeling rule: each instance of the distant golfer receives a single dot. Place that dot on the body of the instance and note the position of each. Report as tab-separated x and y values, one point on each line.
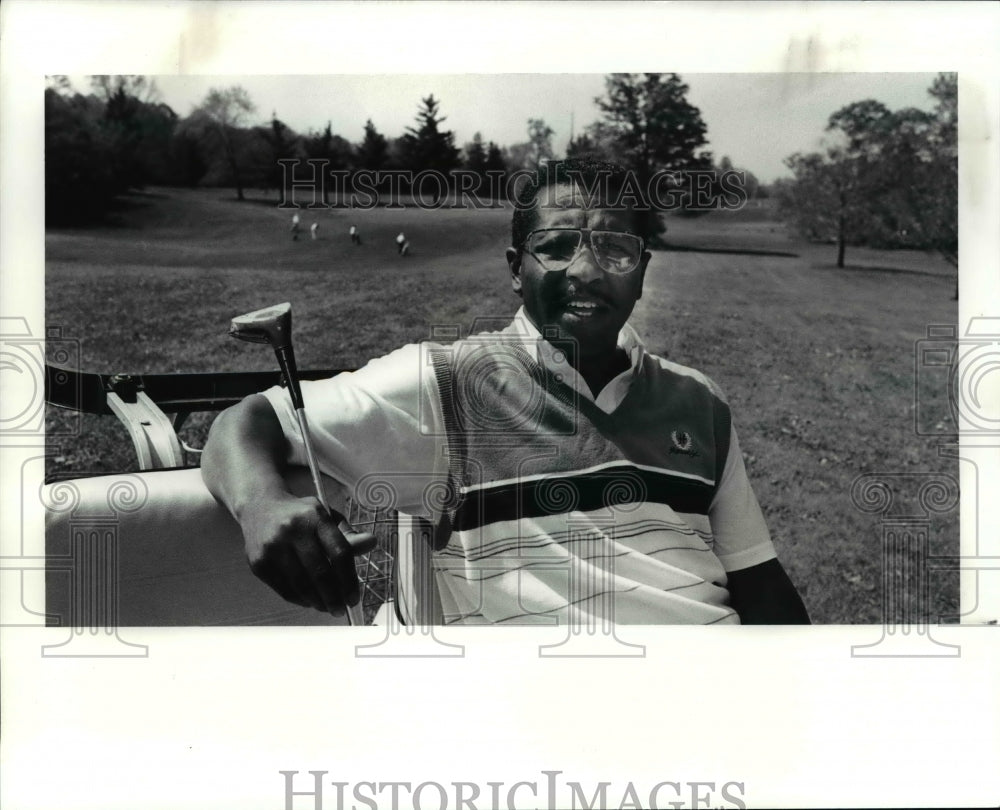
312	230
355	236
295	227
403	244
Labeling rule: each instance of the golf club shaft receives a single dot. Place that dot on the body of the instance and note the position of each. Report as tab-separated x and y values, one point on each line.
355	613
273	325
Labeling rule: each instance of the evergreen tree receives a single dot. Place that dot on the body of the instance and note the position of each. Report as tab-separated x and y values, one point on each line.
373	151
583	146
496	167
650	126
426	146
335	150
494	158
519	156
282	146
475	155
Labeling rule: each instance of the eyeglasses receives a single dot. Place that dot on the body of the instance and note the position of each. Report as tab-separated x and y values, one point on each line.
556	248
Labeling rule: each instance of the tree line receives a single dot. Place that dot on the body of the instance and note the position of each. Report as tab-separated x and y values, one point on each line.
120	136
887	179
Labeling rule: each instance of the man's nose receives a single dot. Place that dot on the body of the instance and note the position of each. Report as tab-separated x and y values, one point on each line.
584	267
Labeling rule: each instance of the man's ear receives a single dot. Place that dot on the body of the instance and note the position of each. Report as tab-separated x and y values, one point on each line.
514	264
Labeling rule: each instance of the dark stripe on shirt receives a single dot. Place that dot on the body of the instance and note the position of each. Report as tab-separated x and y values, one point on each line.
586	492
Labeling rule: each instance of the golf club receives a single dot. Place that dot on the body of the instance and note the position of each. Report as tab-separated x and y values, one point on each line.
273	325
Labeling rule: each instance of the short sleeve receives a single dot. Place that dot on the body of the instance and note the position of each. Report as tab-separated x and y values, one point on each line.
741	536
377	430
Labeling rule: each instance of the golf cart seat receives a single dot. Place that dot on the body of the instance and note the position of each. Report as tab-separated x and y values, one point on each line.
175	556
155	548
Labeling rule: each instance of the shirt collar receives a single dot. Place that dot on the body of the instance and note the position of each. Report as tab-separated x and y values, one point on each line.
544	352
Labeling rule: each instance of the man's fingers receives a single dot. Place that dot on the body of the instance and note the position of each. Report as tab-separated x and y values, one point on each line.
320	570
303	580
298	551
341	556
287	575
274	577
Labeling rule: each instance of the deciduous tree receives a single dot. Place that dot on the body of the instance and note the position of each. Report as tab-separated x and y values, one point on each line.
221	119
540	140
79	179
889	180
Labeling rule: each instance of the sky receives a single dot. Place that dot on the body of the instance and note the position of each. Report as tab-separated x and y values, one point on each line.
756	119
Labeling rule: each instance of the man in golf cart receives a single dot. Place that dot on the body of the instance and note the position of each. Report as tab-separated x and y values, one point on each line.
570	475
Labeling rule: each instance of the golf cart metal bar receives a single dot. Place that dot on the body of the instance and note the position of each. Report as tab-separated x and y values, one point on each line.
172	393
154	438
141	402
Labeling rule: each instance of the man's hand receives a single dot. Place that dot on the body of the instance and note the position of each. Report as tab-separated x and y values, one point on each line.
291	543
293	546
763	594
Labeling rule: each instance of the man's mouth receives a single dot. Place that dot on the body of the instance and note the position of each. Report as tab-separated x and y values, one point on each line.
581	306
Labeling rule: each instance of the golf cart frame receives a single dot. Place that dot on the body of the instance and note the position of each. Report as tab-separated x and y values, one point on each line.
178	528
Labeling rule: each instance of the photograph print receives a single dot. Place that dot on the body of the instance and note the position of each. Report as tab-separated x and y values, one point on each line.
526	350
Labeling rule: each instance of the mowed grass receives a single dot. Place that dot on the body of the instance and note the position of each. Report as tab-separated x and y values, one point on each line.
817	362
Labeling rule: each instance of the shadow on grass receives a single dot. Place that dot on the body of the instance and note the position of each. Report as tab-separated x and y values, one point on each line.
737	251
302	203
384	201
139	194
875	268
270	202
117	213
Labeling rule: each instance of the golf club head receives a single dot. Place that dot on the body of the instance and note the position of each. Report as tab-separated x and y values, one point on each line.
272	325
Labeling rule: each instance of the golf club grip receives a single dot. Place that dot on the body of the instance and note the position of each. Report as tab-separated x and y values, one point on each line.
361	542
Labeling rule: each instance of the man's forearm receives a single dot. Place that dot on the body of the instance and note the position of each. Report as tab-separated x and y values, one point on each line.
244	458
292	543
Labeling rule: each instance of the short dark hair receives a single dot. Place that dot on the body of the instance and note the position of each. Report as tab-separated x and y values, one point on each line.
576	171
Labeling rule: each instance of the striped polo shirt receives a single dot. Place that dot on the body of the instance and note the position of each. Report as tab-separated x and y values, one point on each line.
562	507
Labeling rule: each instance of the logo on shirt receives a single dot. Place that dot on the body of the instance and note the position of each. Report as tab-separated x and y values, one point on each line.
682	443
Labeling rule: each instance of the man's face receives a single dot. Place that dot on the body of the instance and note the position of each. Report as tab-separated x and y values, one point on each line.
583	301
